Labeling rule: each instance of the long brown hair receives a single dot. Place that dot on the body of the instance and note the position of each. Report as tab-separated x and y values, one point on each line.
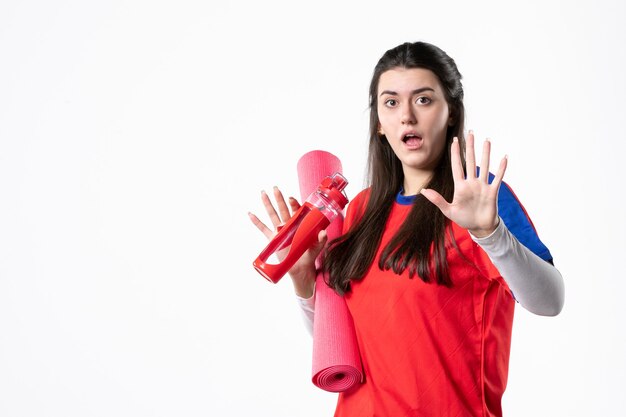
351	255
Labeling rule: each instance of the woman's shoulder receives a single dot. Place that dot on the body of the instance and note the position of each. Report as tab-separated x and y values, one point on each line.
357	204
361	197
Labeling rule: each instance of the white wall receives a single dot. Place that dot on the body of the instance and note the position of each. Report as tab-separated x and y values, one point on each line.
135	136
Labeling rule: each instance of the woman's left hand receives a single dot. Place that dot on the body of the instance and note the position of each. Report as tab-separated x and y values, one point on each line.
474	205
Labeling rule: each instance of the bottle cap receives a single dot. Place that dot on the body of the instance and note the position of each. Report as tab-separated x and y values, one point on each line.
333	187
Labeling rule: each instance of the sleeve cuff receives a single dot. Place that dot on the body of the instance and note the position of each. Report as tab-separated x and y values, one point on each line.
495	240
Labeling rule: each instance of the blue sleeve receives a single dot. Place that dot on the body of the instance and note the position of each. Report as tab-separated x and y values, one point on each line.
517	221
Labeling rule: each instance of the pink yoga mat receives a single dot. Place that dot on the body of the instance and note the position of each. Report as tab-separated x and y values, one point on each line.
336	359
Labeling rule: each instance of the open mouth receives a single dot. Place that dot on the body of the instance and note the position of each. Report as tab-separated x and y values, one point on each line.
410	136
412	139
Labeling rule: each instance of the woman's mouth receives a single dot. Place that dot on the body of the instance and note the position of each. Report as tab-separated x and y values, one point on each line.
412	141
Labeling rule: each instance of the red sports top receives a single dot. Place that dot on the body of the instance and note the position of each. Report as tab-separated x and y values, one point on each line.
428	350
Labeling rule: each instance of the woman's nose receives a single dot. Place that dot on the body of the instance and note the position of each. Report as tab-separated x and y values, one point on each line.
408	116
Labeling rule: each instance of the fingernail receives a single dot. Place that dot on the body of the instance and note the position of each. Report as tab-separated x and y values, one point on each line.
471	132
455	139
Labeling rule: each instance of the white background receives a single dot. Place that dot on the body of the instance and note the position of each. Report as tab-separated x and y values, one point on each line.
136	135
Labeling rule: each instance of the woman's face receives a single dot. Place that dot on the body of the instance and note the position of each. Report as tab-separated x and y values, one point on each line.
413	115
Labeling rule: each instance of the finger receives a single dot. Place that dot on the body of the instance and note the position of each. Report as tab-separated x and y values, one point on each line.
271	211
484	163
437	199
295	206
261	226
455	159
470	157
500	174
282	206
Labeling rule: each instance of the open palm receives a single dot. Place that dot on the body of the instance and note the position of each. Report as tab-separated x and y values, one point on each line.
474	205
303	272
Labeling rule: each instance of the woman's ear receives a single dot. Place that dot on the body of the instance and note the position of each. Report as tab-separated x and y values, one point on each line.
451	116
380	130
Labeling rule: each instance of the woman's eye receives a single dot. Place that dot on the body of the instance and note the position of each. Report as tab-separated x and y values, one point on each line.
391	102
422	100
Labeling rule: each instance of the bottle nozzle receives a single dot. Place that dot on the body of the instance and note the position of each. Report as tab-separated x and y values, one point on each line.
338	181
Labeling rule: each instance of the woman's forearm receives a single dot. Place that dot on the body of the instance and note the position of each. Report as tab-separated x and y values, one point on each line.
535	283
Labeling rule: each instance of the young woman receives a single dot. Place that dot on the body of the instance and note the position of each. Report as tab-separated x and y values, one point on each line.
434	255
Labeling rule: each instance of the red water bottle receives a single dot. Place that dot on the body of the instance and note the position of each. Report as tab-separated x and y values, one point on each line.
301	231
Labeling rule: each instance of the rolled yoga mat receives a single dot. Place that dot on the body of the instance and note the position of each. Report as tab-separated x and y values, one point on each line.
336	359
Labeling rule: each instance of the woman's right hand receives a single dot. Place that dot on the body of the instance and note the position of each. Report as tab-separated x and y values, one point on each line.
303	271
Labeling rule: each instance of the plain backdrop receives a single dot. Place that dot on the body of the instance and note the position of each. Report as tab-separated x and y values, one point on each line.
136	135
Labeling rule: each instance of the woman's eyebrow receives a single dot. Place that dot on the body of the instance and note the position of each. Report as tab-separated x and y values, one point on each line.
416	91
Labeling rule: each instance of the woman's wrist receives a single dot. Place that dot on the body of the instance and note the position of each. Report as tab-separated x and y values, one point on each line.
482	233
304	284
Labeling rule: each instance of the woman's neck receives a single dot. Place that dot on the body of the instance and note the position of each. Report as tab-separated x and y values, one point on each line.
415	180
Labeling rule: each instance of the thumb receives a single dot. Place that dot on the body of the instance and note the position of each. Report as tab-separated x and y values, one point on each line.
322	238
436	198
